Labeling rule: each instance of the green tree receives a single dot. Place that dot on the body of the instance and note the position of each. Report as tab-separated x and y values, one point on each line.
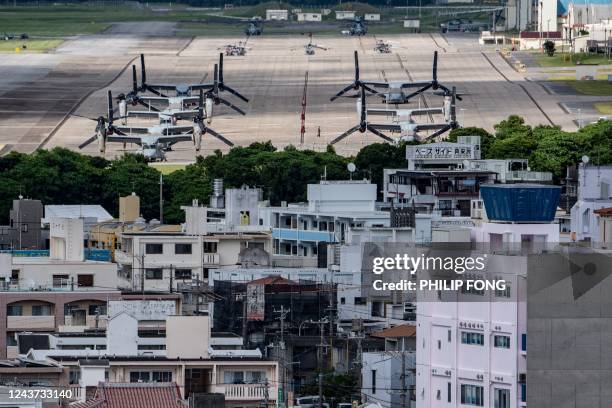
373	159
549	48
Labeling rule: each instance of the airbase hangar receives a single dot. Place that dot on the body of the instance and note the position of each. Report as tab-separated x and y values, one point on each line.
49	100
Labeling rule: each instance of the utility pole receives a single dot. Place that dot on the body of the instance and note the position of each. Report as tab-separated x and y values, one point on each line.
403	375
161	198
321	324
142	274
171	276
280	351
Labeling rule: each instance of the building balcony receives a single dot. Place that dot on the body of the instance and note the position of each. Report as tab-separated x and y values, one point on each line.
210	258
89	323
245	392
30	323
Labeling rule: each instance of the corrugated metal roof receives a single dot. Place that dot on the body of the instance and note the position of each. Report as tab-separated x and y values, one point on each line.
77	211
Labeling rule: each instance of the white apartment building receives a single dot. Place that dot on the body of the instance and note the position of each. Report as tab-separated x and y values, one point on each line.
594	193
227	233
333	208
64	269
471	345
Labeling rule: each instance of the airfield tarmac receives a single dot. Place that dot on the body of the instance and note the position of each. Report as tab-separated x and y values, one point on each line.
39	91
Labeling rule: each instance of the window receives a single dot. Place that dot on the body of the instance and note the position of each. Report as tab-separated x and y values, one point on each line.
154	273
209	247
74	376
150	376
15	276
503	293
85	281
472	338
360	301
501	398
448	392
472	395
342	301
182	249
60	281
501	341
154	248
255	377
449	336
162	376
182	273
151	347
11	340
96	309
14	310
233	377
439	344
472	291
140	376
373	381
41	310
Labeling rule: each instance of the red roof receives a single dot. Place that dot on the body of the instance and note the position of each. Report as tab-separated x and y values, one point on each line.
404	330
544	35
134	395
606	212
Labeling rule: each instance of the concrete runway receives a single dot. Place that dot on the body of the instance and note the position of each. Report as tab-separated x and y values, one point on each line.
38	91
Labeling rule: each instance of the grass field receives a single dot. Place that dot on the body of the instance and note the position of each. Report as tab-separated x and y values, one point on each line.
65	20
35	45
595	88
604	107
563	60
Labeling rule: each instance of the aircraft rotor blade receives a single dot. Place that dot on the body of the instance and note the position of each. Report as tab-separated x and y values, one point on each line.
88	141
143	73
342	92
356	67
134	80
435	67
232	106
380	134
220	137
110	107
345	134
233	92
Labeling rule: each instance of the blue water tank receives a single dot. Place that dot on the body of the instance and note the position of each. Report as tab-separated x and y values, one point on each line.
520	202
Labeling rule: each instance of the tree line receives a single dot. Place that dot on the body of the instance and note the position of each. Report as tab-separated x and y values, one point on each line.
61	176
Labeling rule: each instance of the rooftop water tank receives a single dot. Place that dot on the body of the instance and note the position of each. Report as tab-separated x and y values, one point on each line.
524	203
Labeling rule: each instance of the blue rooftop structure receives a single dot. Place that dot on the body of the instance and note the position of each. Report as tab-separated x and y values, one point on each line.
521	203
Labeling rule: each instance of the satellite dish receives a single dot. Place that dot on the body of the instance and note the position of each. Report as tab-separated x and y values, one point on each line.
351	167
585	159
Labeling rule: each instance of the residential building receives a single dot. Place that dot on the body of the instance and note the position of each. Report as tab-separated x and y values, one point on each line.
594	193
371	17
471	344
332	209
383	380
24	230
178	351
444	177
